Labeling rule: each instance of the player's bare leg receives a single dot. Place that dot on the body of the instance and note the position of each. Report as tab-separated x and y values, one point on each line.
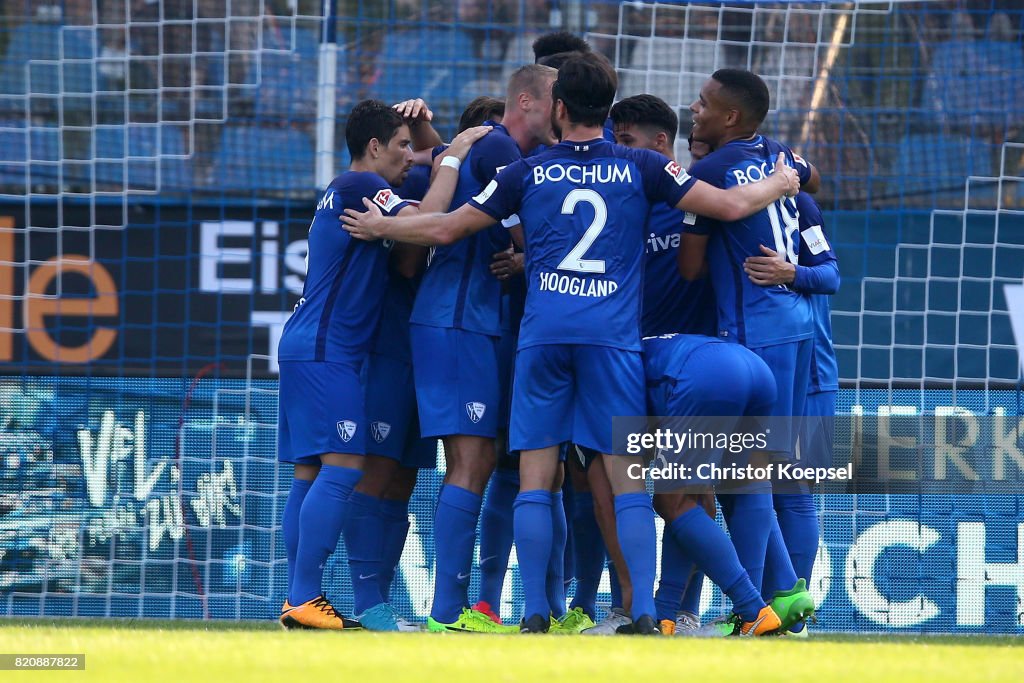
634	519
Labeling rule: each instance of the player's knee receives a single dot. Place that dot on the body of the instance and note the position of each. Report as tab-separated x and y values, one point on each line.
378	473
670	506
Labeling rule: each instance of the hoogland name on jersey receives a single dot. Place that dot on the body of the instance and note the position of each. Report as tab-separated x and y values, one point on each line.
574	173
576	286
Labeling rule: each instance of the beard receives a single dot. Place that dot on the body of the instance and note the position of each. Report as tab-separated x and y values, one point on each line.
556	130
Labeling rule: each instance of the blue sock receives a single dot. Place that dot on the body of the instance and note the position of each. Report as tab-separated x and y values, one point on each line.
710	548
496	534
320	523
616	587
556	563
634	519
749	518
364	539
778	568
589	553
675	570
691	596
395	518
533	545
455	519
290	521
798	519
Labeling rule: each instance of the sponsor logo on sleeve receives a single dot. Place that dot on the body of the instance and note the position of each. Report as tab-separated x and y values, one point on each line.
815	240
677	172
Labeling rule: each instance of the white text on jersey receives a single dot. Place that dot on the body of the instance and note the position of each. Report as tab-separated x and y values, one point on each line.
656	244
602	173
327	202
576	286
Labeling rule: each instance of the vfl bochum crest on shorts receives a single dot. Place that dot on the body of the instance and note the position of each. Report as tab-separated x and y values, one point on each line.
346	430
475	410
380	431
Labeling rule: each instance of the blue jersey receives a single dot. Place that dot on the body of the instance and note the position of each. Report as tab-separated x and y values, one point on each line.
608	133
584	207
670	303
337	316
458	290
416	184
814	251
753	315
392	338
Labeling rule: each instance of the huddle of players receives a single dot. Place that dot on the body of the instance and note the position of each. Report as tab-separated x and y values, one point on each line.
554	355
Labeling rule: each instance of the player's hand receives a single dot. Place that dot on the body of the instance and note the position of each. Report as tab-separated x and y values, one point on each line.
414	111
364	225
506	264
769	270
463	142
790	179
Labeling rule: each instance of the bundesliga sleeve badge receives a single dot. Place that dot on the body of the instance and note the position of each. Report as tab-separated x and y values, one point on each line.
677	172
387	200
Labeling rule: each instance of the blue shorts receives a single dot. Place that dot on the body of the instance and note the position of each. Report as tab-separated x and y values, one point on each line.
818	435
571	392
791	365
718	379
321	410
506	370
394	428
711	391
458	389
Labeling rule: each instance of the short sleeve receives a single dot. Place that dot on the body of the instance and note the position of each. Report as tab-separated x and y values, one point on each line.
803	169
381	194
664	180
706	171
815	248
501	197
492	153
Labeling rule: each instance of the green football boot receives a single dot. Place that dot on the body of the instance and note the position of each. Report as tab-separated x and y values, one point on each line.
470	621
794	605
572	622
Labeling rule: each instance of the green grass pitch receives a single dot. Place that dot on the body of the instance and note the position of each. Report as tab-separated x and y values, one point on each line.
188	652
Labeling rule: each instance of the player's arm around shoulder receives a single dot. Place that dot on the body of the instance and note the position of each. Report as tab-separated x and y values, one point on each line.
444	182
741	201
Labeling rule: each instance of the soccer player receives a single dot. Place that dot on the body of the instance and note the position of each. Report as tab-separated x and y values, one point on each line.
670	304
455	330
322	426
691	377
378	521
578	363
773	322
816	274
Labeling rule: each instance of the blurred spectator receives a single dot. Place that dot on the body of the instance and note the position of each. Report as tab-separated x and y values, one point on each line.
785	57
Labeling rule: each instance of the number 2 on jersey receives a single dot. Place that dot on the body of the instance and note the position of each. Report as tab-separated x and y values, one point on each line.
574	260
